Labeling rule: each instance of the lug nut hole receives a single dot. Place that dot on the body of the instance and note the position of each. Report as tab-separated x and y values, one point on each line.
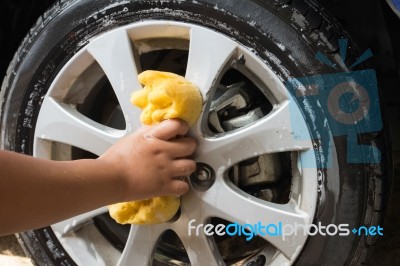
203	178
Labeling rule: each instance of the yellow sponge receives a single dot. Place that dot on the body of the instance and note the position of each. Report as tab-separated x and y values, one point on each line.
152	211
164	96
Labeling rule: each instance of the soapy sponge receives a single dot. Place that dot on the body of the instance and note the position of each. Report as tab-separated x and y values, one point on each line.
152	211
164	96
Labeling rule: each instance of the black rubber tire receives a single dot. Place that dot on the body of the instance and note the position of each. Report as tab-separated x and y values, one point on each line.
300	25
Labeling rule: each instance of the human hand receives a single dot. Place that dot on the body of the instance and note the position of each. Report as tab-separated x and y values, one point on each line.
150	160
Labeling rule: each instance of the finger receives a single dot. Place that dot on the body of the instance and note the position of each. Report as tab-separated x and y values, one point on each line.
169	129
182	167
178	188
182	147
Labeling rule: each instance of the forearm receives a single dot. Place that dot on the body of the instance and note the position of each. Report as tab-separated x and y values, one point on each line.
36	193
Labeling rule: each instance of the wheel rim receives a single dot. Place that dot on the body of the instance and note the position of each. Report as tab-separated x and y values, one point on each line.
209	55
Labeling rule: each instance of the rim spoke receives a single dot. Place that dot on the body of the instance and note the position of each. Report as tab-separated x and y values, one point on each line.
236	206
208	54
75	223
270	134
199	249
141	243
114	54
63	123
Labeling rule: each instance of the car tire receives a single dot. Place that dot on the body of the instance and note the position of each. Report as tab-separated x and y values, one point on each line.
285	35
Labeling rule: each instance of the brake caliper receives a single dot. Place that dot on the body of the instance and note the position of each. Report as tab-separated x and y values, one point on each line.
233	109
237	106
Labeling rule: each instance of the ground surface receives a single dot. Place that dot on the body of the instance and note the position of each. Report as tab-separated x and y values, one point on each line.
11	253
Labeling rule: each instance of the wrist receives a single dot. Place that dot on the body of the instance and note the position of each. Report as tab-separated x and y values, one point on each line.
117	184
